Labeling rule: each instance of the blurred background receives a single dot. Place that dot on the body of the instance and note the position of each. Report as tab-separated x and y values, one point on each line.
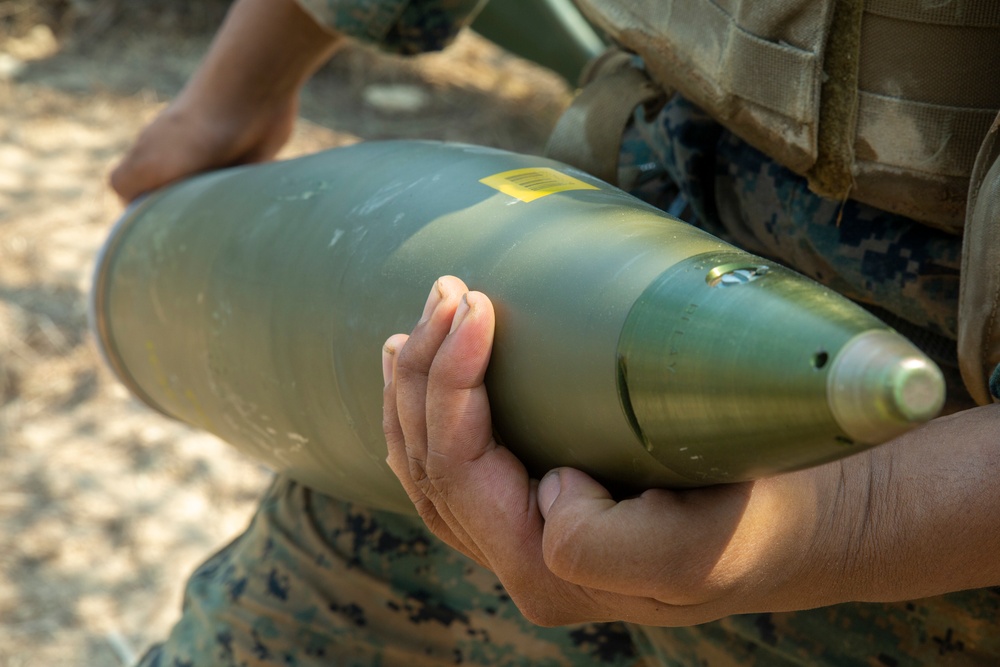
105	507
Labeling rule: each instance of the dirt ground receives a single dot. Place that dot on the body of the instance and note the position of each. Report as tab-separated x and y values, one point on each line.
104	506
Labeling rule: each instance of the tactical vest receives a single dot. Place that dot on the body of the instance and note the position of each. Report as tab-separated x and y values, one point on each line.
883	101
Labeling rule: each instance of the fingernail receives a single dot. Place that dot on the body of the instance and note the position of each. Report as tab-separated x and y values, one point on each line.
388	354
460	313
548	491
433	299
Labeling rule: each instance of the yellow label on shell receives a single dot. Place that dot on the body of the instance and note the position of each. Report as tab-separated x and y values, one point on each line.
533	183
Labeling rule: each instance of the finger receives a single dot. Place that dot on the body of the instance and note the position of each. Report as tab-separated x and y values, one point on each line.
481	490
133	176
462	429
407	403
152	164
664	544
390	415
413	365
459	426
175	145
397	458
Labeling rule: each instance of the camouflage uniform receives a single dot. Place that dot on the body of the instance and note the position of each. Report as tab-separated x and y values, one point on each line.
405	27
318	581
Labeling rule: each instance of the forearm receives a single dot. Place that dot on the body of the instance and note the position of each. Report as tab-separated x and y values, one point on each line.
934	509
264	51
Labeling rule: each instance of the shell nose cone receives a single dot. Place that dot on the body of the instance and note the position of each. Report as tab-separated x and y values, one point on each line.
880	385
917	389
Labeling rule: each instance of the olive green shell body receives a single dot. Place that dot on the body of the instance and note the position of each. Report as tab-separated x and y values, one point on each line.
253	303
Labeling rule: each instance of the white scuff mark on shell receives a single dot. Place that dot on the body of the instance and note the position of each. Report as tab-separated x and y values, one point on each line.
336	237
383	196
318	187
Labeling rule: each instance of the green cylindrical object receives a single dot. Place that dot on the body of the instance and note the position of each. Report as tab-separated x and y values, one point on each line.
253	303
552	33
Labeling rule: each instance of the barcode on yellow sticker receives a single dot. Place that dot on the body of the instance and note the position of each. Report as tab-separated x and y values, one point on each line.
533	183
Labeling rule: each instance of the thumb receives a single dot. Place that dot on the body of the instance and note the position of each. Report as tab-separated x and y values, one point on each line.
571	487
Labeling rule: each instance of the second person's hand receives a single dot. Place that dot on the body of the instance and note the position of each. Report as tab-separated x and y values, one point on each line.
240	105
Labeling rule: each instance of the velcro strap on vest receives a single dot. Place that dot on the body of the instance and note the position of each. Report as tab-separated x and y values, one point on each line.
979	296
589	133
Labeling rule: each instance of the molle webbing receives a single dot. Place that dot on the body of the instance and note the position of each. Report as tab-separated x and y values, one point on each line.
757	70
832	174
927	96
881	100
